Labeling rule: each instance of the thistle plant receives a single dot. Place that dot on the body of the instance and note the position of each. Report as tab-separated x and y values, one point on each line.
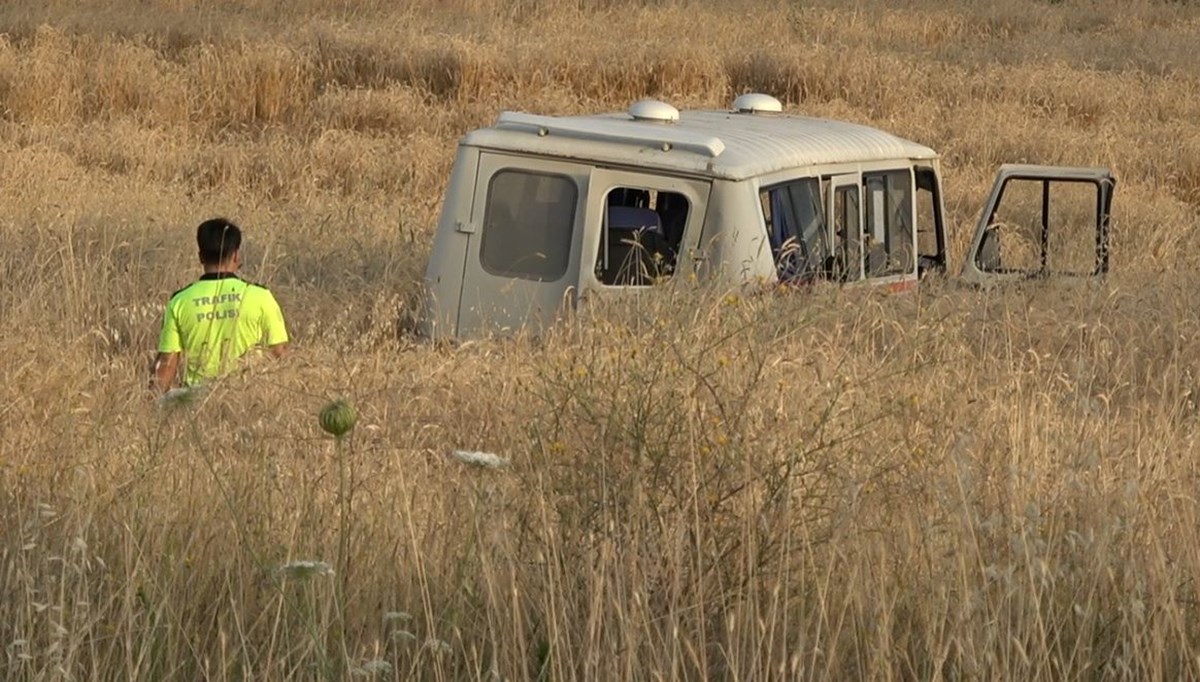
337	418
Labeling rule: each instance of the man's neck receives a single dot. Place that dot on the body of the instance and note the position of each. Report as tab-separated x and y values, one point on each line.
223	268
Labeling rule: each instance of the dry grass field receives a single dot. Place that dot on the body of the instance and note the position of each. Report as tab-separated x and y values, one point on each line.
952	484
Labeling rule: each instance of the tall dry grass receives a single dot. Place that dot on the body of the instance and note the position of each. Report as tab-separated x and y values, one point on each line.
843	484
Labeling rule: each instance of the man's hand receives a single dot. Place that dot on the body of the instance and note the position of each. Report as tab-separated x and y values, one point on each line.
162	371
279	350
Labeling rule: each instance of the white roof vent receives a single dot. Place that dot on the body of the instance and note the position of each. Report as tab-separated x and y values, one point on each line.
653	110
756	102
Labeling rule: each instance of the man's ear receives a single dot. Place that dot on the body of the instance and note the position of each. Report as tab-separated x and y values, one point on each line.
236	258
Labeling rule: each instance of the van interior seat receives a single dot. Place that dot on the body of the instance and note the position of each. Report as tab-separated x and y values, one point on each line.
672	208
636	246
631	218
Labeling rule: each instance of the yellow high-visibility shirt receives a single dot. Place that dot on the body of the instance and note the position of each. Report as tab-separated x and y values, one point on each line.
215	320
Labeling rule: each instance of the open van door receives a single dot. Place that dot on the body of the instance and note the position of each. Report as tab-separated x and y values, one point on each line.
1041	221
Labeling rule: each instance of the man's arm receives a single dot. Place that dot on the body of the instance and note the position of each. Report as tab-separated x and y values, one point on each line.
162	371
170	345
274	328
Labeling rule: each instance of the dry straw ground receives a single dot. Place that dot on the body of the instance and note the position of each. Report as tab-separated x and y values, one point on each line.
840	485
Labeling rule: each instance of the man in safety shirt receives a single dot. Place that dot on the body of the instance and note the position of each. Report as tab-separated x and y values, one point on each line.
217	319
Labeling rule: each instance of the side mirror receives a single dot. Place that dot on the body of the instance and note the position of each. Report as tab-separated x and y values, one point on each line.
988	259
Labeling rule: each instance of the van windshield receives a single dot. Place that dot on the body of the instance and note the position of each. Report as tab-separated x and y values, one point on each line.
796	229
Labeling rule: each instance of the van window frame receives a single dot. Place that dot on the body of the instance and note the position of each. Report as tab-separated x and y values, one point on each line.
664	262
935	262
825	171
867	212
696	189
813	271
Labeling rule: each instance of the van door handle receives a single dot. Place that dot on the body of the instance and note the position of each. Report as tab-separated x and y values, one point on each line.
465	226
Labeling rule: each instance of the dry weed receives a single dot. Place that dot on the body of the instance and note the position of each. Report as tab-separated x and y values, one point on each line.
838	484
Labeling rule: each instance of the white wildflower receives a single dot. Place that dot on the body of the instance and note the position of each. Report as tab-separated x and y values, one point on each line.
437	646
402	616
305	569
403	637
480	459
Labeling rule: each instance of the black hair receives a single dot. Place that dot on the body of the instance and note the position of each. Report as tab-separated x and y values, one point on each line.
218	239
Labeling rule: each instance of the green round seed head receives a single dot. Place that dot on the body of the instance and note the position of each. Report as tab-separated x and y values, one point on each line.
337	418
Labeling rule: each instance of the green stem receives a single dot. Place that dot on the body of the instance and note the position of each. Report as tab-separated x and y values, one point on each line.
244	536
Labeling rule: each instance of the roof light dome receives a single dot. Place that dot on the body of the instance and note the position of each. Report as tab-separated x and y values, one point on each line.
653	110
756	103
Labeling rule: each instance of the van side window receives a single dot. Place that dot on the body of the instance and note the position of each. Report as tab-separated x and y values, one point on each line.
796	229
641	236
527	225
888	233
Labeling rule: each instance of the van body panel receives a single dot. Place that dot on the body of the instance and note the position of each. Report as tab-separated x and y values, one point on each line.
734	245
750	145
444	274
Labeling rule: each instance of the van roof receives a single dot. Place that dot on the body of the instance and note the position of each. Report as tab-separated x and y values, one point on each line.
719	144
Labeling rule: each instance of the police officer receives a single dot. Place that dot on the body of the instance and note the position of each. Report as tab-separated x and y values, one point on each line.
217	319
